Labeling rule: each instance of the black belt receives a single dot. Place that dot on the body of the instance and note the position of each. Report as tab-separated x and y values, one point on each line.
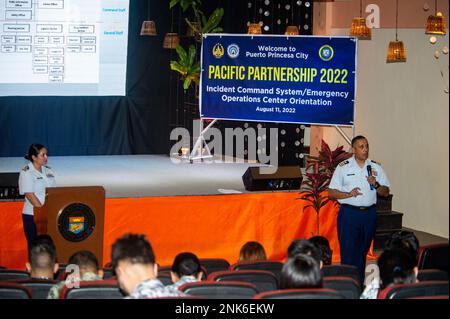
359	207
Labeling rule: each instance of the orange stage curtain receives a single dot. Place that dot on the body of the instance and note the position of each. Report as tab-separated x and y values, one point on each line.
209	226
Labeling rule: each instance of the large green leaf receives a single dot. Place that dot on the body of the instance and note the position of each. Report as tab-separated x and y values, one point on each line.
182	55
213	21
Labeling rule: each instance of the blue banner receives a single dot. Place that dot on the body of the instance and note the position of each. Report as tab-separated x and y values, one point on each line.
295	79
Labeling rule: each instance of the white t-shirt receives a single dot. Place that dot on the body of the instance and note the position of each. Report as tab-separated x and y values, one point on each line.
33	181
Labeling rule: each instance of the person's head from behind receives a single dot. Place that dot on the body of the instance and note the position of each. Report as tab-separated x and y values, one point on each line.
86	262
326	254
304	246
252	251
404	239
42	260
301	271
186	264
37	154
44	239
397	266
133	260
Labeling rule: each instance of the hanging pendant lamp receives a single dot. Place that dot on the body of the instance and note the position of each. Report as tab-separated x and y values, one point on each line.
396	50
359	27
435	23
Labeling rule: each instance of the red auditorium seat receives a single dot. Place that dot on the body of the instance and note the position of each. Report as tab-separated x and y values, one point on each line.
262	279
9	274
220	290
348	287
98	289
420	289
434	256
12	290
319	293
268	265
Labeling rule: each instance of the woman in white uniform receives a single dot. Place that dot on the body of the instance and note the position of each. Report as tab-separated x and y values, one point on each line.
34	178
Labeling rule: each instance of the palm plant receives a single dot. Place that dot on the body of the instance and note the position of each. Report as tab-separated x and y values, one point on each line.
316	182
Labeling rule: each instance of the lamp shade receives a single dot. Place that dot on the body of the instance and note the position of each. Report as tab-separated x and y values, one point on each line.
396	52
171	40
435	25
254	28
292	30
360	30
148	28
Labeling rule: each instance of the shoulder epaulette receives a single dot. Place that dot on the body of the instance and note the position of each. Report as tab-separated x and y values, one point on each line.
25	168
375	162
47	167
344	163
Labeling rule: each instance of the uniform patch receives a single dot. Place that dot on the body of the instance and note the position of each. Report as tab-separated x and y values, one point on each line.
344	163
375	162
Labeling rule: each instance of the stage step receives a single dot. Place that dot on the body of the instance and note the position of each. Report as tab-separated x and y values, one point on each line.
387	224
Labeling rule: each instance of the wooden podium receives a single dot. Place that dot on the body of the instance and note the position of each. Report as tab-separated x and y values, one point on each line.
74	218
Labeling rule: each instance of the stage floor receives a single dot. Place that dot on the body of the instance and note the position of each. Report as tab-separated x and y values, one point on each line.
143	175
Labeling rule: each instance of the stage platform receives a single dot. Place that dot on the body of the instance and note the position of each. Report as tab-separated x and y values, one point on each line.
143	175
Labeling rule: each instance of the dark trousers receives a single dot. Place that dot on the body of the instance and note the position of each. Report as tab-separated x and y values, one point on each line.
356	230
29	228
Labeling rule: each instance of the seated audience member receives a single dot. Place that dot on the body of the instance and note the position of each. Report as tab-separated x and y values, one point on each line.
185	268
301	271
134	262
252	251
396	266
41	260
404	239
401	240
323	245
87	269
303	246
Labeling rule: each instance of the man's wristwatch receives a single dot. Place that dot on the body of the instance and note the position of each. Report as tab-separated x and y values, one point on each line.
376	185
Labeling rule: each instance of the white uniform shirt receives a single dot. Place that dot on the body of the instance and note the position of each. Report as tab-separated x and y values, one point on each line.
32	181
349	175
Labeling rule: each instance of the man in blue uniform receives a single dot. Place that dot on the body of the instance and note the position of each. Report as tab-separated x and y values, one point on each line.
355	184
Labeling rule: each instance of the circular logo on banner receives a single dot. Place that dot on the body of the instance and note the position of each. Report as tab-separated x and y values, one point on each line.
326	52
76	222
218	51
233	51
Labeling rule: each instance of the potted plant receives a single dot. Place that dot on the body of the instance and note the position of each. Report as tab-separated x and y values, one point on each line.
188	64
319	171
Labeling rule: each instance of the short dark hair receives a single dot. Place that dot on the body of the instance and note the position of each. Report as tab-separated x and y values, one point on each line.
252	250
134	248
303	246
44	239
396	267
33	150
42	256
326	255
186	264
84	259
301	271
357	138
404	239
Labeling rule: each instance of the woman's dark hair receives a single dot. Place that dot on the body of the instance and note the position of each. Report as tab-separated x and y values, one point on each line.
33	150
323	245
186	264
396	267
301	271
251	251
303	246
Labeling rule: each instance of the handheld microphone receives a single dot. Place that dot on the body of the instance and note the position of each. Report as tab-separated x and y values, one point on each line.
369	172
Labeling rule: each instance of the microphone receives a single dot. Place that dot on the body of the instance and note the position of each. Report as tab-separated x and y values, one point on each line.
369	173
